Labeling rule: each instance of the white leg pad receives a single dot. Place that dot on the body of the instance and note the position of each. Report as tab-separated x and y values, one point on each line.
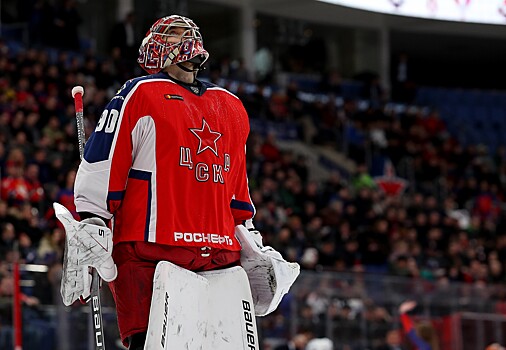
205	311
232	323
175	318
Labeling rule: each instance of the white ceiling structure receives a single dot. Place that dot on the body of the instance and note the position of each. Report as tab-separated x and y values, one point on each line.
325	13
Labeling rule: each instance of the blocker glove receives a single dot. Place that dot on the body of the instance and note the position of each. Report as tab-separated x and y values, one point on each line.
88	243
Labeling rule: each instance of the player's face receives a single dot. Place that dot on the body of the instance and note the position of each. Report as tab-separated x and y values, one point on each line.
175	34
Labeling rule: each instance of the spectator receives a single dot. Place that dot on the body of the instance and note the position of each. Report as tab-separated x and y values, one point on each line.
403	88
41	23
67	21
298	342
393	341
15	189
263	63
423	335
50	249
270	151
320	344
124	37
35	189
7	239
362	179
65	195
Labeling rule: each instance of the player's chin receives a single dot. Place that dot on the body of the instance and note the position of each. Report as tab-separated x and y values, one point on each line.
189	65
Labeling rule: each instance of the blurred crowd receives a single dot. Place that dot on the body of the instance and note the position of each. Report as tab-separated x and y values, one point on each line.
446	222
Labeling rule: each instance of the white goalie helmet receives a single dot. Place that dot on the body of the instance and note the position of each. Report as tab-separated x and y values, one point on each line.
158	50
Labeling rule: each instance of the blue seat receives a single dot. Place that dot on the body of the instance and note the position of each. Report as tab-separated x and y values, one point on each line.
497	112
489	138
440	96
455	97
481	113
421	96
351	89
474	97
464	113
428	96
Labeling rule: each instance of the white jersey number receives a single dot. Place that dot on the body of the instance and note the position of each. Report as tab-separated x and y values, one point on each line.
108	119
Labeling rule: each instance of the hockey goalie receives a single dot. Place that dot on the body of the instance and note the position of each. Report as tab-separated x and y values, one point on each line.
162	192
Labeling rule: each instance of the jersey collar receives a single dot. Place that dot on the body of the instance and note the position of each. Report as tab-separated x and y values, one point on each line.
196	88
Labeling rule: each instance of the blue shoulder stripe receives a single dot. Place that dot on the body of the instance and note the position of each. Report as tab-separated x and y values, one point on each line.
99	144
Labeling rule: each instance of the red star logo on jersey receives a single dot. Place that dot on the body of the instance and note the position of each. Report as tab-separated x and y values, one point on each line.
207	138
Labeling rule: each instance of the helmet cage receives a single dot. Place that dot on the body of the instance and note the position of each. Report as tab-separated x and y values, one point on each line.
157	52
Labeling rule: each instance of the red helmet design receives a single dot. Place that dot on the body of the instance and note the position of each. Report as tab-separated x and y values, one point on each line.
157	52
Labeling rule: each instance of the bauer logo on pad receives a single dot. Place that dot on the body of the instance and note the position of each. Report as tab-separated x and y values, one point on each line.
173	97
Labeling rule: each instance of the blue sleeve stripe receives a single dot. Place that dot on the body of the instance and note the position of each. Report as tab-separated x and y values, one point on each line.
146	176
240	205
115	195
139	174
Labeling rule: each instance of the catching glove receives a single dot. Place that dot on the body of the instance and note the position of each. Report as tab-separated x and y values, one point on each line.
270	276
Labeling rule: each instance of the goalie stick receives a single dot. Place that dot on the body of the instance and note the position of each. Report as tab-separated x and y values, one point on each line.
95	305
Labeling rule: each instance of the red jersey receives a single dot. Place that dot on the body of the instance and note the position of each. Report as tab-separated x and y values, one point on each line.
167	161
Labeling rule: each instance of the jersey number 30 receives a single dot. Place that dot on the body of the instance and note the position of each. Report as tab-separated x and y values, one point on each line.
107	121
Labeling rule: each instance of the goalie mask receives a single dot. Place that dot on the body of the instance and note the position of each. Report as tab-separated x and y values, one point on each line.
172	40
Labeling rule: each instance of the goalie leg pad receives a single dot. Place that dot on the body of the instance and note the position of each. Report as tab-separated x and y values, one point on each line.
232	323
205	311
178	307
